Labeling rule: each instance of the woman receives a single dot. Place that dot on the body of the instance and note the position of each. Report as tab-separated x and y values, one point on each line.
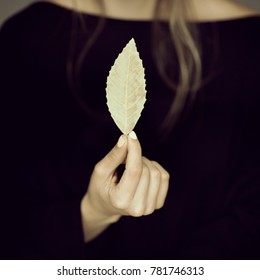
65	195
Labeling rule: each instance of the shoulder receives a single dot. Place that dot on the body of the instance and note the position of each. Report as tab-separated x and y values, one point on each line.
239	40
216	10
29	36
34	20
237	25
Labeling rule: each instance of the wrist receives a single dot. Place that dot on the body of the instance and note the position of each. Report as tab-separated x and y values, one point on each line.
94	221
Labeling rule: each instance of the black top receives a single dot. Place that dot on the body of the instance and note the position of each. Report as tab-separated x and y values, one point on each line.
50	146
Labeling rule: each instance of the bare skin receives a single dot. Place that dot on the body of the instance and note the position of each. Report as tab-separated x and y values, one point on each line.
211	10
143	187
129	9
203	10
141	190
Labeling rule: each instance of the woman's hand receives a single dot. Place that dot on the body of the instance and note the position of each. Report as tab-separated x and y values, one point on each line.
141	190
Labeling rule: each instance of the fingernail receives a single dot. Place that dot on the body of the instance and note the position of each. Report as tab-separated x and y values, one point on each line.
132	135
121	141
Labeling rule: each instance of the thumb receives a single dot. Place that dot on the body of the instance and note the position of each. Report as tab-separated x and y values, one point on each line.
115	157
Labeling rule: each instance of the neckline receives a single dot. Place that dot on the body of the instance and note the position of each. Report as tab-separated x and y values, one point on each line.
114	19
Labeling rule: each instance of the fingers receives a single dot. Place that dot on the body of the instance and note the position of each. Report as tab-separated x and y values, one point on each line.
108	165
154	187
151	191
144	183
133	168
138	204
164	185
143	186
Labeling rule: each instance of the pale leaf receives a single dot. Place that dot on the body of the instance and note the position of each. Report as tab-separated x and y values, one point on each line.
126	93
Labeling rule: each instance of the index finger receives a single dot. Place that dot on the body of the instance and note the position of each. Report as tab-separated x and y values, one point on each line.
133	168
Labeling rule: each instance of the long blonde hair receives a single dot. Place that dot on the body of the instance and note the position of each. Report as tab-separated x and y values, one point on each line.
183	38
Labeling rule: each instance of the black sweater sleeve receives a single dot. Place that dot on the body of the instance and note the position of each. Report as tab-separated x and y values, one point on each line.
39	219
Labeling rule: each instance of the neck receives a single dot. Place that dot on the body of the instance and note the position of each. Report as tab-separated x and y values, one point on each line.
201	10
130	9
124	9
